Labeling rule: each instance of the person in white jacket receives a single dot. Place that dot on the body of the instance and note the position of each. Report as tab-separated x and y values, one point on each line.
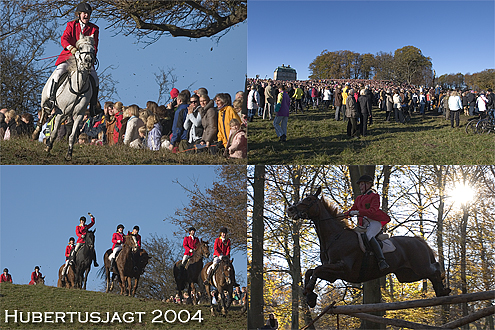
193	122
455	106
253	102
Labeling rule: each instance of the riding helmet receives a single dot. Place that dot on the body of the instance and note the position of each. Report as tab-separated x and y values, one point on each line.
5	270
72	239
84	7
37	267
223	230
82	218
365	178
120	226
136	227
191	228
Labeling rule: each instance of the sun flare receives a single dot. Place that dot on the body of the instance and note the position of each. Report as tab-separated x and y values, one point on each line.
462	194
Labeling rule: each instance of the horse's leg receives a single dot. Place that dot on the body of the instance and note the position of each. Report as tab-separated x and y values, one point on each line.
72	136
107	278
437	280
53	133
136	282
86	276
208	294
223	302
41	121
129	285
327	272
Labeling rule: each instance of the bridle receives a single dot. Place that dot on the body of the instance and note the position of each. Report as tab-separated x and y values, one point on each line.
303	214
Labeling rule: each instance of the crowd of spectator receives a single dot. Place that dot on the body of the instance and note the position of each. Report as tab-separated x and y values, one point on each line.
397	101
238	297
190	123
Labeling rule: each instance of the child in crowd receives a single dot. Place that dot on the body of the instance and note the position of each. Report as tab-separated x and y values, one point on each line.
237	146
83	138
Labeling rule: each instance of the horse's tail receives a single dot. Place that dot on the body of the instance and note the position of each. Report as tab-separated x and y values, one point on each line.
101	272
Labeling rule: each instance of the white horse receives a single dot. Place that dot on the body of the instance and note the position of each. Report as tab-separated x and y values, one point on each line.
73	95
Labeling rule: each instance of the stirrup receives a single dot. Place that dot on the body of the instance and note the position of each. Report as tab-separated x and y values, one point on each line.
382	264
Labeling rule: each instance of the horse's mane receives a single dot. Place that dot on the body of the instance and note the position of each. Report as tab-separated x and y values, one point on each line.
85	40
334	211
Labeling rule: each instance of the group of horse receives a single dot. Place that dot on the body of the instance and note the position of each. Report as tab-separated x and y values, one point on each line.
129	263
194	272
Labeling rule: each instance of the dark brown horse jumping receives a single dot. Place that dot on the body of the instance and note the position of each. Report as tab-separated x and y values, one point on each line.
223	280
185	277
342	258
130	263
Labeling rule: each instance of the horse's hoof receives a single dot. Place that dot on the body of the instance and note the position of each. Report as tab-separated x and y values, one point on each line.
47	150
311	299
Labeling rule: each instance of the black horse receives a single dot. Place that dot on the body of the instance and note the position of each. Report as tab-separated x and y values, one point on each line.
83	259
185	277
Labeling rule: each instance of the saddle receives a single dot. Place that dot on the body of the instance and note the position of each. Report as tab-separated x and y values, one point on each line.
383	239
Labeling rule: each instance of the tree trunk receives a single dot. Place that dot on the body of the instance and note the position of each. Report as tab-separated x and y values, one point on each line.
371	289
296	258
255	311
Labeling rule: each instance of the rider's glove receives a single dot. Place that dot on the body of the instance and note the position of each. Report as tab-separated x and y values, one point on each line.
73	50
83	236
190	250
118	241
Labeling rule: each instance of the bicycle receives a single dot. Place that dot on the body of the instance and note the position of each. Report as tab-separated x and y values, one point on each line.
486	125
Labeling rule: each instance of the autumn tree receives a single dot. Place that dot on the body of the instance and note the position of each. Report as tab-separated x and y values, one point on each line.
23	35
224	204
191	19
158	281
384	66
409	65
481	80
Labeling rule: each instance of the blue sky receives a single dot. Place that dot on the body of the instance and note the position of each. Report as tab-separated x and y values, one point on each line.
41	207
457	35
220	67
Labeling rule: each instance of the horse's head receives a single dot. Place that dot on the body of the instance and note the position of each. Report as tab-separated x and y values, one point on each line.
85	56
204	249
130	241
90	238
305	209
226	269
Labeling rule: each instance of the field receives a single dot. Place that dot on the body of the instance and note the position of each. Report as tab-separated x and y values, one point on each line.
39	298
23	151
316	138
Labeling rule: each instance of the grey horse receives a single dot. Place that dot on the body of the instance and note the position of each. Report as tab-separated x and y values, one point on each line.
73	94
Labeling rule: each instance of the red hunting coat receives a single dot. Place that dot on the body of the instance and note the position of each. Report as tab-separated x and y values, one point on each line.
68	250
83	230
71	36
368	205
4	278
35	277
117	237
222	248
190	243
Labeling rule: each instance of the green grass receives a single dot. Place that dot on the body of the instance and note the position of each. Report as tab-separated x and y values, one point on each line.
39	298
23	151
316	138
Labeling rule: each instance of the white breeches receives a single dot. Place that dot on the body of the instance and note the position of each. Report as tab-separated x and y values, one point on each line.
64	271
184	258
114	252
62	67
216	261
373	227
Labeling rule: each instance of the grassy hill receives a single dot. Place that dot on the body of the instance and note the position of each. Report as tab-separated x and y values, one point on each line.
38	298
316	138
23	151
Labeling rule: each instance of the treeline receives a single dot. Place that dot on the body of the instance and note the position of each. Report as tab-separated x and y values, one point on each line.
407	64
477	81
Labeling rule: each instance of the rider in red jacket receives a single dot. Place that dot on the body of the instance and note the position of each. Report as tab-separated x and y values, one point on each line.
221	249
81	231
68	251
367	208
117	239
72	33
190	244
5	277
35	276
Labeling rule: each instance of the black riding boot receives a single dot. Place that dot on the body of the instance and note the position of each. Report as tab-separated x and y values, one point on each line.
113	266
93	102
94	260
382	264
53	94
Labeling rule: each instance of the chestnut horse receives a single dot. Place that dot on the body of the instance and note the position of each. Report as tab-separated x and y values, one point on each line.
342	258
69	278
130	263
185	277
223	280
